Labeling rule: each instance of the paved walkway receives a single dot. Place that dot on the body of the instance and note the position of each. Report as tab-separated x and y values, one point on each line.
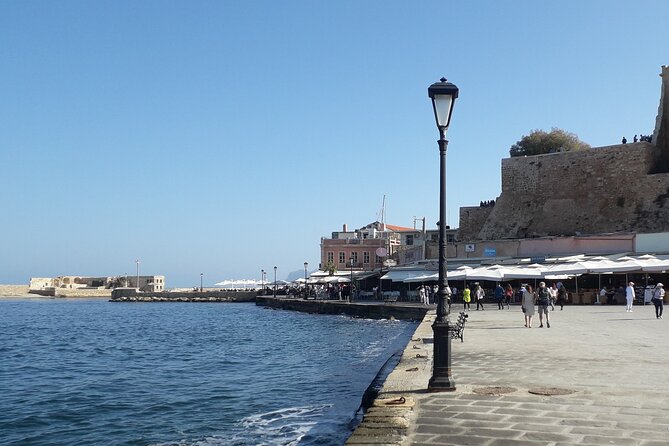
615	363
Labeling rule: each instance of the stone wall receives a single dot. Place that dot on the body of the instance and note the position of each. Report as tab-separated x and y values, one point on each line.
82	292
472	219
601	190
661	132
13	290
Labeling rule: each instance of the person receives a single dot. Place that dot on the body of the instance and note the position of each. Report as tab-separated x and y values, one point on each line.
527	305
499	296
553	292
602	295
561	295
658	300
624	140
422	295
543	302
629	295
480	294
466	298
635	138
509	295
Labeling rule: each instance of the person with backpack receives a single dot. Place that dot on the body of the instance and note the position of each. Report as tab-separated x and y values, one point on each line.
543	302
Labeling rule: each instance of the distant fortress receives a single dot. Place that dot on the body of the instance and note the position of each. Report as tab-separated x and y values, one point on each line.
612	189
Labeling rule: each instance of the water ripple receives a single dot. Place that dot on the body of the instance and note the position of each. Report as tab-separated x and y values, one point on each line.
90	372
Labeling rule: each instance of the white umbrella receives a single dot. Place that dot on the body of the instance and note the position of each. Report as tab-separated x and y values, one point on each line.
493	273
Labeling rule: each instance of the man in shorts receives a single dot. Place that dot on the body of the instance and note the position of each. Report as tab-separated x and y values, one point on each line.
543	302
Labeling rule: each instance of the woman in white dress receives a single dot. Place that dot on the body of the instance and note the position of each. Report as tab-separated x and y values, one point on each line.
528	305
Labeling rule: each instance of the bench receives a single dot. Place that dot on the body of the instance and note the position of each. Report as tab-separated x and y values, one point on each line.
458	330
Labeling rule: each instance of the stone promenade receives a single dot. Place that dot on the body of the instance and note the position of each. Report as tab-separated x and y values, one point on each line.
606	372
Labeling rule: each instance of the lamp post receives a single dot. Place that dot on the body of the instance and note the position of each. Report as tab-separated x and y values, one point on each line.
262	281
350	285
137	262
201	276
443	95
306	290
275	282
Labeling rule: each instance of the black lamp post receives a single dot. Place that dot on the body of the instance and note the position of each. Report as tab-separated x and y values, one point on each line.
262	281
306	290
275	282
443	95
201	287
350	285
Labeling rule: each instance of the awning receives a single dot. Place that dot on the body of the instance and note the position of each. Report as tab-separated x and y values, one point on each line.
403	275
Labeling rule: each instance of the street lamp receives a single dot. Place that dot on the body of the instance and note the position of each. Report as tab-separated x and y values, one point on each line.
262	281
201	276
137	262
306	290
275	282
350	285
443	95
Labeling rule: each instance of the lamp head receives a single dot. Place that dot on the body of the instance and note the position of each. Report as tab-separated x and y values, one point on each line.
443	95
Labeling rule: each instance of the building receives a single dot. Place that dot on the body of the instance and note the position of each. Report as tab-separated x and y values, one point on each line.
366	248
146	283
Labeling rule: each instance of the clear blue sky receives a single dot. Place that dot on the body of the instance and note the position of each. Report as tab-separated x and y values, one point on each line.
226	137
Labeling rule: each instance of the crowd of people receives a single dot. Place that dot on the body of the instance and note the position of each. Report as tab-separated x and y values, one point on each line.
639	138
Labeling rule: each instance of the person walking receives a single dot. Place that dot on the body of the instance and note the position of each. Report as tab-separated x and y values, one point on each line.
629	296
527	305
466	298
508	294
543	302
658	300
561	295
499	296
553	292
480	294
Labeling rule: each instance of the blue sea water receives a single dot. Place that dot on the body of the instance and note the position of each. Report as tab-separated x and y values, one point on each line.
91	372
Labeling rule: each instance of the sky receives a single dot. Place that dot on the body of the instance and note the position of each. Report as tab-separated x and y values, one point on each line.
226	137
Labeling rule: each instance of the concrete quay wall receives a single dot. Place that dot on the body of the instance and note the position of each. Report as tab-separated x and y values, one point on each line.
13	290
373	310
131	295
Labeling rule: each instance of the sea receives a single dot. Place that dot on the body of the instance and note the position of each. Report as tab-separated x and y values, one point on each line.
93	372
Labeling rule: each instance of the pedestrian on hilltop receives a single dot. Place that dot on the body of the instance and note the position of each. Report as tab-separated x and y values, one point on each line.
624	140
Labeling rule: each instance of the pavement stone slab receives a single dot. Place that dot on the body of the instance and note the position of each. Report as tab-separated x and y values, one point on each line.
606	357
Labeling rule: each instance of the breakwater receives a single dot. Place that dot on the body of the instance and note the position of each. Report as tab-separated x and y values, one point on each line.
371	310
131	295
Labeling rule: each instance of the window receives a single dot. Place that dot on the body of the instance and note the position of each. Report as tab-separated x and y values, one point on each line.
365	257
354	257
342	257
409	239
330	257
377	259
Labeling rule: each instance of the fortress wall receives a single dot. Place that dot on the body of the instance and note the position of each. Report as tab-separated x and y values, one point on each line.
13	290
605	189
472	219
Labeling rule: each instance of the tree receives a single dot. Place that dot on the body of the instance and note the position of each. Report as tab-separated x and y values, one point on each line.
330	268
539	142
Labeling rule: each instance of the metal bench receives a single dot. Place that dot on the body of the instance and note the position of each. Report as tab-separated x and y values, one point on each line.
458	330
